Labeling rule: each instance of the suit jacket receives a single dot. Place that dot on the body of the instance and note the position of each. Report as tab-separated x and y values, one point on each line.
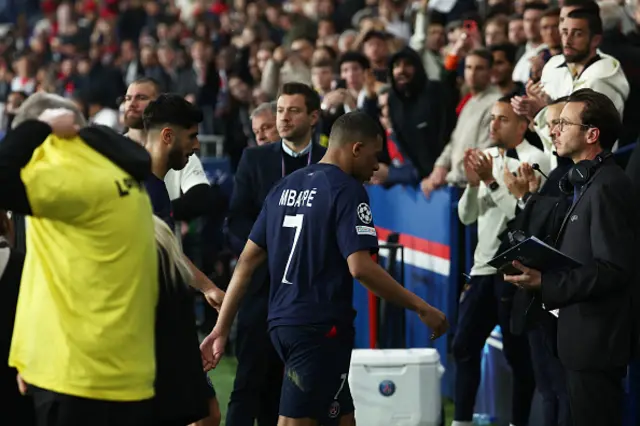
260	168
599	230
542	217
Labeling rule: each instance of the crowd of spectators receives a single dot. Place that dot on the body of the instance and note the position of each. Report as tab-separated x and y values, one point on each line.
229	57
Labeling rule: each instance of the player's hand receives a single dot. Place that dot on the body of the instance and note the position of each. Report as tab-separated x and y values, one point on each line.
212	348
214	297
22	386
62	122
435	320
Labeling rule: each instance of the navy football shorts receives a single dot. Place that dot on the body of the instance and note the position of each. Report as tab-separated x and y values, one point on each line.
316	377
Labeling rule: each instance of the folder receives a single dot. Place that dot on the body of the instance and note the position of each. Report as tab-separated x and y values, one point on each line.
534	254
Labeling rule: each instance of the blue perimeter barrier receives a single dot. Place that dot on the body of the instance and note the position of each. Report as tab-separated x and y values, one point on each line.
434	248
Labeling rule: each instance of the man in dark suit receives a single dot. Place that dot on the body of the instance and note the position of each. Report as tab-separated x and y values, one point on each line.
256	393
593	301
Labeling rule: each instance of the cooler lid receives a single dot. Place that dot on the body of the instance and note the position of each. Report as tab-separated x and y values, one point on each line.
390	357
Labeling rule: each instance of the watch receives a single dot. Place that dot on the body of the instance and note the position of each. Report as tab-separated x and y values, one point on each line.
494	185
526	197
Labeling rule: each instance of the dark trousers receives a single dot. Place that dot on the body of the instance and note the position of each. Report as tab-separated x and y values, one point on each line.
256	390
596	396
550	378
56	409
485	302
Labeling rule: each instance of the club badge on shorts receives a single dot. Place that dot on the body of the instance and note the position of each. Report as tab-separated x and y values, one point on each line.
334	410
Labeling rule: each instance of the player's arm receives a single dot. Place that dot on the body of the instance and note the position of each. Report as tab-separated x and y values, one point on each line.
212	347
252	256
198	199
357	239
201	282
368	272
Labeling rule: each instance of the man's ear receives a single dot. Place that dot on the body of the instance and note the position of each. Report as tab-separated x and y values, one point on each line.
314	117
356	148
166	135
593	135
596	40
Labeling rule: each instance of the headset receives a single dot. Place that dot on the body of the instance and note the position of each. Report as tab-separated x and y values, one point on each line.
582	172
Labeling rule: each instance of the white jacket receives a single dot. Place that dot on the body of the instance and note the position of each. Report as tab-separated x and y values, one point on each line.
493	209
604	76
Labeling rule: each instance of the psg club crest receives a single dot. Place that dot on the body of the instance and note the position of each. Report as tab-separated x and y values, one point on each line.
334	410
387	388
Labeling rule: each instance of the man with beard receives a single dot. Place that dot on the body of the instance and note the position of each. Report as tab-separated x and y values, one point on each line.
486	299
421	111
189	190
171	127
470	129
580	66
256	393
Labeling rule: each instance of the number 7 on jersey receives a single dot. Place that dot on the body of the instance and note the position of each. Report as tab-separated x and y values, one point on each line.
292	222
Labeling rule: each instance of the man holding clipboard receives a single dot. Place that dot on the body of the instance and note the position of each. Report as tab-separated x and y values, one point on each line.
593	300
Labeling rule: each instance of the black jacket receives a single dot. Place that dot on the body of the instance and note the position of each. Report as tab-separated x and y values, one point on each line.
422	117
600	231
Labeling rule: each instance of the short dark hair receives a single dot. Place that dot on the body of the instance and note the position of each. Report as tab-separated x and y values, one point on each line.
507	100
582	4
149	80
482	53
599	112
356	126
323	63
508	49
354	57
311	97
171	109
535	6
552	12
515	17
560	100
593	19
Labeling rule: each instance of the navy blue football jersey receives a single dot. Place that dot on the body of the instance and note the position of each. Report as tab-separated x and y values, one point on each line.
310	222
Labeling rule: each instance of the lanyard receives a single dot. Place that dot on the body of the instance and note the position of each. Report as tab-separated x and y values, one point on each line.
284	153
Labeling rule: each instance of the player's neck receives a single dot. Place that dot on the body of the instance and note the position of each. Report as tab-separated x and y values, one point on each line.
159	162
334	158
298	145
137	135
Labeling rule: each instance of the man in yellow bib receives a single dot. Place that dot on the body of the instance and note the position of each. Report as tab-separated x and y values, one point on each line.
84	332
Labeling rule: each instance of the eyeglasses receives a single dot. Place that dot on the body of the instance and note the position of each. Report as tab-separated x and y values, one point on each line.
562	123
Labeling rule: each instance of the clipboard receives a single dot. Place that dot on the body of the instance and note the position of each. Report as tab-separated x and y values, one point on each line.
533	253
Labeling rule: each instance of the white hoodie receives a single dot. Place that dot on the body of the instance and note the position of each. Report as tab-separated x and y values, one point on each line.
604	76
